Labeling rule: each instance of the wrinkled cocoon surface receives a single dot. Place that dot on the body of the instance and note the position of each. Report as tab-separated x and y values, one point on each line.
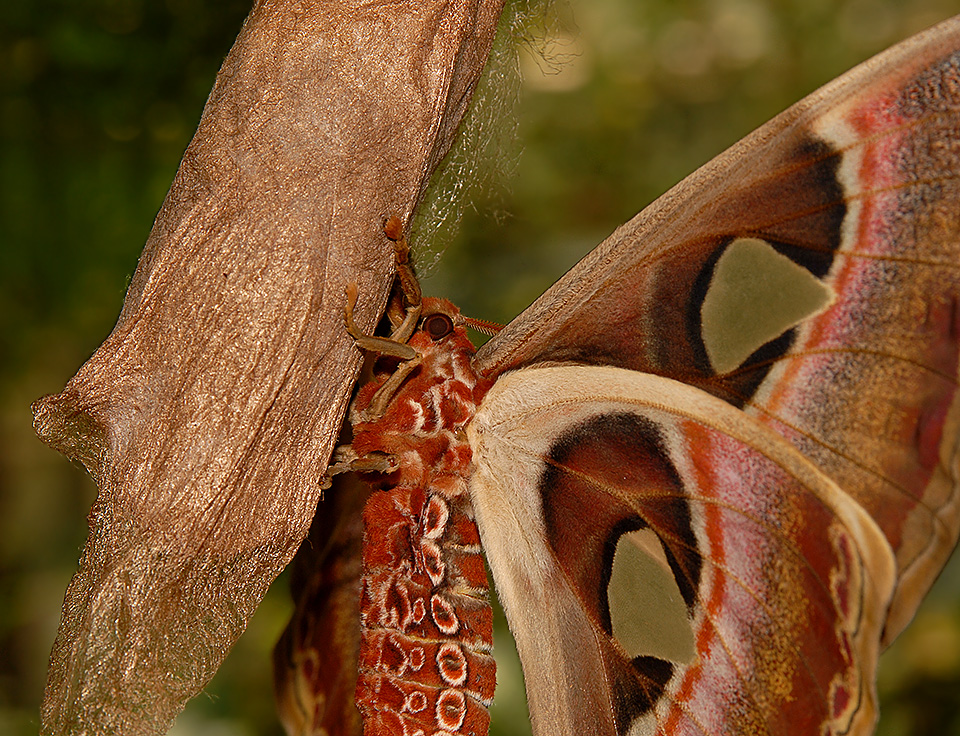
209	413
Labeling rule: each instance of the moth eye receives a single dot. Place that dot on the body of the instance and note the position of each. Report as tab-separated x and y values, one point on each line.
437	326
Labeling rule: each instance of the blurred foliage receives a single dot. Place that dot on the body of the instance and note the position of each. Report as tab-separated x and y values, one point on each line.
620	99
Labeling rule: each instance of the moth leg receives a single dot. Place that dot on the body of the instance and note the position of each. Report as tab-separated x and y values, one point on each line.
386	392
406	300
346	460
408	296
394	346
381	345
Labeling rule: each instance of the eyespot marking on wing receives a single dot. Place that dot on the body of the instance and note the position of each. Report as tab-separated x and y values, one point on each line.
754	296
616	464
647	613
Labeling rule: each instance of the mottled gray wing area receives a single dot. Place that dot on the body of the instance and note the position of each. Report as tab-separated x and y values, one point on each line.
208	415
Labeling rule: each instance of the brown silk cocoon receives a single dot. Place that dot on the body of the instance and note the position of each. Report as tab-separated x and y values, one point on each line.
208	415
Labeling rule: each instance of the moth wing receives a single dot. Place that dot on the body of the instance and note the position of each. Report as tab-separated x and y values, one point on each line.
811	276
668	565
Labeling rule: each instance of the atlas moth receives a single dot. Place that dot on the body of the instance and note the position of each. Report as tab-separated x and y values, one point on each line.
713	469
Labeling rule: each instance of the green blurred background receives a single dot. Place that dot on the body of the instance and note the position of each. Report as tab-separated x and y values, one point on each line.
620	99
